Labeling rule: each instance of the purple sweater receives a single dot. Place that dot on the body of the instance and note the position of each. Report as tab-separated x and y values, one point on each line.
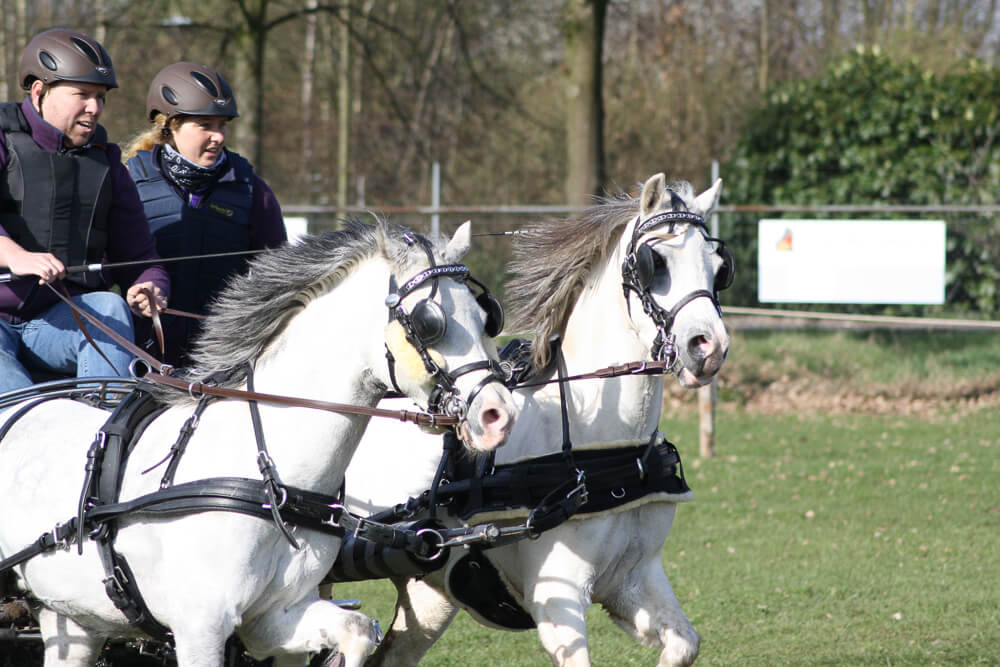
129	237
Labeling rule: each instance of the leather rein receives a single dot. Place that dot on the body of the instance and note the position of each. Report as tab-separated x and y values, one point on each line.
160	373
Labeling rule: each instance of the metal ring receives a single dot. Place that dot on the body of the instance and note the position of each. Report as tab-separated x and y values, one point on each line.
618	493
135	365
439	545
284	497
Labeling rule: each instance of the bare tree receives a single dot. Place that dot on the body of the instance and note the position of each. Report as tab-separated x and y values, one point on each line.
583	30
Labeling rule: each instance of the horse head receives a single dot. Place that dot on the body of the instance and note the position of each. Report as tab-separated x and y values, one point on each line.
439	337
672	273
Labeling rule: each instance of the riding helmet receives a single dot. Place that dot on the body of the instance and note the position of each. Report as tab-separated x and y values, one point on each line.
66	55
192	90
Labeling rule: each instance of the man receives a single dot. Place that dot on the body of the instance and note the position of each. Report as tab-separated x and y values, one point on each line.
66	200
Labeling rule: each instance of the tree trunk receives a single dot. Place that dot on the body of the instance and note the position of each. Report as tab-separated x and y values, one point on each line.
5	48
344	109
308	74
831	25
583	29
765	48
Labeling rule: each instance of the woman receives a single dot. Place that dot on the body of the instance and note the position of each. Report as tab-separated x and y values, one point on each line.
200	198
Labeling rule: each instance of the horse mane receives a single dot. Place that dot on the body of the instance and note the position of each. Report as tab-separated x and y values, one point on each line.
256	305
554	259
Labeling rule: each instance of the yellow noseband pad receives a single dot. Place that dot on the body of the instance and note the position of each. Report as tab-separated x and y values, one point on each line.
408	361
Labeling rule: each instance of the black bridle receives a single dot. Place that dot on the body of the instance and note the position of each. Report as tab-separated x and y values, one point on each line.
639	269
427	324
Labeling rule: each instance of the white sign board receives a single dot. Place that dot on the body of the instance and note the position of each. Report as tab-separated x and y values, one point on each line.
296	228
851	261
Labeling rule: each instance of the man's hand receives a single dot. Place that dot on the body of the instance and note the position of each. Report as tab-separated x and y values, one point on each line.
139	302
45	265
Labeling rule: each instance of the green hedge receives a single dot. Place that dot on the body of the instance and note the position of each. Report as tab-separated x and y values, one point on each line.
875	130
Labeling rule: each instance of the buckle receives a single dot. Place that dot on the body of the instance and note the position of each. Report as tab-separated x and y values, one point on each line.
333	520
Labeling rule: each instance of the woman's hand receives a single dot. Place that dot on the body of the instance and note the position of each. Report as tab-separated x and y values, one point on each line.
139	302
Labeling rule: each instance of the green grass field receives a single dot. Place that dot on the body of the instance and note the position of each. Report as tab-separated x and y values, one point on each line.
826	537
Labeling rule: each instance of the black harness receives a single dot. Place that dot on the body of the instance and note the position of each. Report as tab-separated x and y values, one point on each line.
100	508
640	267
427	324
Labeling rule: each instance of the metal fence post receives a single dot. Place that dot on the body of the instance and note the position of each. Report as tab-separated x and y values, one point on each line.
435	199
708	395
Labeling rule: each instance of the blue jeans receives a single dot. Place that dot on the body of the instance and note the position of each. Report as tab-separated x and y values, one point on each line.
53	343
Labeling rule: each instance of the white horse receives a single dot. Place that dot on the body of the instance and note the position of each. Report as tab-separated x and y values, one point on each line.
312	321
568	280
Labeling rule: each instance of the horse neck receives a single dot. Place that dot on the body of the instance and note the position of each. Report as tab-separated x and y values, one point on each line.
599	333
327	352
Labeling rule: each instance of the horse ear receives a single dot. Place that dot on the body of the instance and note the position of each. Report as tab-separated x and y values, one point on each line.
459	243
706	202
652	193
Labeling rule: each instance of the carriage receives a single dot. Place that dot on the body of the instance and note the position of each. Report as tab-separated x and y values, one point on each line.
631	279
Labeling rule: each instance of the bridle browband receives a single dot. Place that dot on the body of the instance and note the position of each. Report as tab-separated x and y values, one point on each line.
426	325
638	272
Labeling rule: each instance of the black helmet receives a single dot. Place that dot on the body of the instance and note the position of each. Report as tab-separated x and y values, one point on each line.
66	55
192	90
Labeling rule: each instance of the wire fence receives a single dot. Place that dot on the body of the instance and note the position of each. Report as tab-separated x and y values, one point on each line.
492	247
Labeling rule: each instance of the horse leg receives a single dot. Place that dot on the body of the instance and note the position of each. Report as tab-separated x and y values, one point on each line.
67	643
423	613
557	595
309	626
199	643
648	610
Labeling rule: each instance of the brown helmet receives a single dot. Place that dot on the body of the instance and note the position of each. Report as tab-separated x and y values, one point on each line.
66	55
192	90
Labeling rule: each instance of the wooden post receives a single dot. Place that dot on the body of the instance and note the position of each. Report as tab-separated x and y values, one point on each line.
706	420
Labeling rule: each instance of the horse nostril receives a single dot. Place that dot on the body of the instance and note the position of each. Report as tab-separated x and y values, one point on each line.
700	347
490	417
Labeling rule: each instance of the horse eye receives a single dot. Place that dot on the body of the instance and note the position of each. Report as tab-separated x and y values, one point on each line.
661	274
659	266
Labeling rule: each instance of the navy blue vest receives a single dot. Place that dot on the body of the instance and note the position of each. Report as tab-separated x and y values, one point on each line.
55	202
221	223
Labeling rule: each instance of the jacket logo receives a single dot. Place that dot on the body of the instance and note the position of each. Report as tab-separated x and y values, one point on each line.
222	210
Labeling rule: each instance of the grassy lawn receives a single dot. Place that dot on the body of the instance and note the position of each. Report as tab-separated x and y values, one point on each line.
822	537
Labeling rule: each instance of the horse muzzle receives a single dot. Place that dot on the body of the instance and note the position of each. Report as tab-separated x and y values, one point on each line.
701	354
489	420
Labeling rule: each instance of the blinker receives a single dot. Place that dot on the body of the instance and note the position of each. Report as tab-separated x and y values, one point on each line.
429	322
428	319
646	260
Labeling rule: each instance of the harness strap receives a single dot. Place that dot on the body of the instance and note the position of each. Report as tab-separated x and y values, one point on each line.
267	469
611	478
60	535
197	388
630	368
567	443
450	444
153	362
177	449
120	587
161	376
64	295
311	510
